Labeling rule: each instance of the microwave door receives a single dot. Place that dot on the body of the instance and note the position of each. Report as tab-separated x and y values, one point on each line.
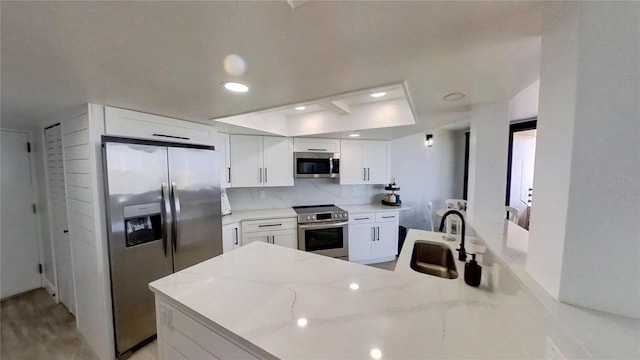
137	235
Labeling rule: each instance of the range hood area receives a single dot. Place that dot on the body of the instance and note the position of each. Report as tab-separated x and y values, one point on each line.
353	111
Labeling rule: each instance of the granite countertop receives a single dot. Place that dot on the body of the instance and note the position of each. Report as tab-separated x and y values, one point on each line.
294	304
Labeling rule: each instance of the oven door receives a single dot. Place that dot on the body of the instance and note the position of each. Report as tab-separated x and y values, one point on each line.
329	239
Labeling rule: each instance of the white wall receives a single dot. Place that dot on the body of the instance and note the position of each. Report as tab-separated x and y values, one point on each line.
584	245
525	104
424	174
304	192
603	219
488	162
552	171
86	228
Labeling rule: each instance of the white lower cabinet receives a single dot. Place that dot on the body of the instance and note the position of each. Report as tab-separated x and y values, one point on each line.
283	232
182	337
231	237
373	237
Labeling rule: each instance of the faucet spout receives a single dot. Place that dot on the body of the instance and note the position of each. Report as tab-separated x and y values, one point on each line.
462	253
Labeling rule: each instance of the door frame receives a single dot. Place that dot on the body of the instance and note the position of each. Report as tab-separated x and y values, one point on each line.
54	291
36	198
520	125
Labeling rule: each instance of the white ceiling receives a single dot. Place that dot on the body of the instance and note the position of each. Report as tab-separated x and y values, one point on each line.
166	57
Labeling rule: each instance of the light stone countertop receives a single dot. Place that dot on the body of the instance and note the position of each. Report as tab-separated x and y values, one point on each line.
244	215
371	208
259	292
262	214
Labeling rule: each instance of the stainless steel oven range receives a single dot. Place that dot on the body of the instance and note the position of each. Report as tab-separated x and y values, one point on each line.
322	229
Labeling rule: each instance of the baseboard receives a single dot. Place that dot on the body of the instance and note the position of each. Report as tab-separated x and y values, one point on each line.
51	289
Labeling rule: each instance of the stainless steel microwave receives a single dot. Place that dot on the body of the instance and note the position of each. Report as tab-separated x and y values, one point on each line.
316	165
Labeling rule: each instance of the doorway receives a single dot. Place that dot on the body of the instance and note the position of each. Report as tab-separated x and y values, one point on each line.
58	216
20	259
522	149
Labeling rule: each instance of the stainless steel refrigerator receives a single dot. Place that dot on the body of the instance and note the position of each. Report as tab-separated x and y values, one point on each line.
163	209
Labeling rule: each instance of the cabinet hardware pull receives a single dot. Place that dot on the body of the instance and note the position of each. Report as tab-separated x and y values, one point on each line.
260	175
236	229
364	174
377	227
171	136
268	225
266	178
388	217
374	233
229	170
317	149
65	231
364	218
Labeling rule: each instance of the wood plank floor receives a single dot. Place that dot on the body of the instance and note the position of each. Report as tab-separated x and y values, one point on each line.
33	326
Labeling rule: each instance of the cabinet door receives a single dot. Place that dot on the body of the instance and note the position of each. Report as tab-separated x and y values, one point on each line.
222	145
286	238
230	237
264	236
360	241
278	161
351	167
386	243
246	160
376	160
316	145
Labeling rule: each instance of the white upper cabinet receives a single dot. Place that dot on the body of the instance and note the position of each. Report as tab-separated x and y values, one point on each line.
261	161
316	145
135	124
221	142
364	162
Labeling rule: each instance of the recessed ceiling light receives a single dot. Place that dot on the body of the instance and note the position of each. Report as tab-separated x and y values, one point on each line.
379	94
236	87
354	135
454	96
300	108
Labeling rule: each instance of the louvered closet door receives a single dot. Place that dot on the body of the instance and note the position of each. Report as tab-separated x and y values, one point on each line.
58	216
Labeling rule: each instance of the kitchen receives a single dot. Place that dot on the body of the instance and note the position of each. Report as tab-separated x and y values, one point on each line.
486	160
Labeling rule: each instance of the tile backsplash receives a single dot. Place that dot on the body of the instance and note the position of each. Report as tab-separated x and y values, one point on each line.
304	192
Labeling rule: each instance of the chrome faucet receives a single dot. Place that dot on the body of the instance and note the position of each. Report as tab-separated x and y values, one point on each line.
462	253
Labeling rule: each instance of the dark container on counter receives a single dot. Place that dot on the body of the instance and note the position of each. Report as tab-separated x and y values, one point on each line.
472	272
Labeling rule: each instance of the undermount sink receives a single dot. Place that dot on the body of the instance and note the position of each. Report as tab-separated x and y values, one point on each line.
434	259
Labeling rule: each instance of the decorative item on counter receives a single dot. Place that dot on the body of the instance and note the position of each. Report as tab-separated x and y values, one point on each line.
392	199
472	272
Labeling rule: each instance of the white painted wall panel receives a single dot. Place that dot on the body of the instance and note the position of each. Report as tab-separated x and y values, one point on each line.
85	233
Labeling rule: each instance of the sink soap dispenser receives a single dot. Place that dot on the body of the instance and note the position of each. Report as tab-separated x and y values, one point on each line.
472	272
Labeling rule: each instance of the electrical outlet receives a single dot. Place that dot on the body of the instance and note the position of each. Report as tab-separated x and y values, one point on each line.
553	353
261	194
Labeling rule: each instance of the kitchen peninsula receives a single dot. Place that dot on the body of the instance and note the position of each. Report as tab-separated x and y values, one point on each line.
267	301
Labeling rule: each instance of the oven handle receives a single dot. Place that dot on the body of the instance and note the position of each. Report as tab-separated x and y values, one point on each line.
323	225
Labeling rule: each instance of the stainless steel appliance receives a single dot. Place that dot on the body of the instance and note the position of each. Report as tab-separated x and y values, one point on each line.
316	165
322	229
163	215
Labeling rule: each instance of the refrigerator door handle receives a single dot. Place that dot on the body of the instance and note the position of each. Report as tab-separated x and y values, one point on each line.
176	217
165	214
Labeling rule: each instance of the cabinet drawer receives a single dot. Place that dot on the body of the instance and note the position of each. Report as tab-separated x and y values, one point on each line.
362	218
387	216
129	123
269	225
